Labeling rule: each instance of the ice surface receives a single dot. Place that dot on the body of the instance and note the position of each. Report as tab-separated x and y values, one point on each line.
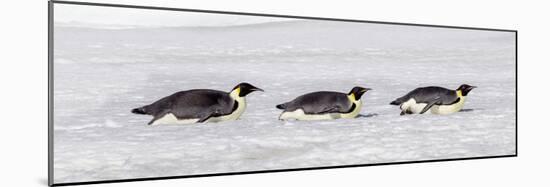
101	74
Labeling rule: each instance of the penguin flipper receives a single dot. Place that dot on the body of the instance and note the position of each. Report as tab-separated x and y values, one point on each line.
332	109
206	117
429	105
202	120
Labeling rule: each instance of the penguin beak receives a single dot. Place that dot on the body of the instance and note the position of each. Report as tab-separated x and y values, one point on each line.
365	90
257	89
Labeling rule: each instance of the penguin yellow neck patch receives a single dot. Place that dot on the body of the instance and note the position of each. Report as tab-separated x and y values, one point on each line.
235	93
459	93
351	97
238	90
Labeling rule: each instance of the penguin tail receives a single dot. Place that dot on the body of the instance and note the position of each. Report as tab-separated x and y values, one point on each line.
140	110
396	102
281	106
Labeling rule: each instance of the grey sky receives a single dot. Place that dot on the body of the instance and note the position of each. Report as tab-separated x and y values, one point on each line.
93	15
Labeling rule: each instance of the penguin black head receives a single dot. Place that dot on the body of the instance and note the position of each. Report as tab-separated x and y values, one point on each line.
465	89
358	92
246	88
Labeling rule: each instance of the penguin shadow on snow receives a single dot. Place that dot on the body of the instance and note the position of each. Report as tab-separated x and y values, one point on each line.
468	110
369	115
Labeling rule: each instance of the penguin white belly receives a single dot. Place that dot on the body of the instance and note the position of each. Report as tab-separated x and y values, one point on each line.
169	118
355	112
299	114
412	106
233	116
448	109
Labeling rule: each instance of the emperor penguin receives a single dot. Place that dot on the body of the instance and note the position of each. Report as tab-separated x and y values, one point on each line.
198	106
437	100
324	105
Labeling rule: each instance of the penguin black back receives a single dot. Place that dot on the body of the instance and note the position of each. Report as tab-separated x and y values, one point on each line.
199	105
421	100
311	101
324	101
427	94
194	100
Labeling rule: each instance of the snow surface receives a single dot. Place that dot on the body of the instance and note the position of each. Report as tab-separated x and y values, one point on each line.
101	74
